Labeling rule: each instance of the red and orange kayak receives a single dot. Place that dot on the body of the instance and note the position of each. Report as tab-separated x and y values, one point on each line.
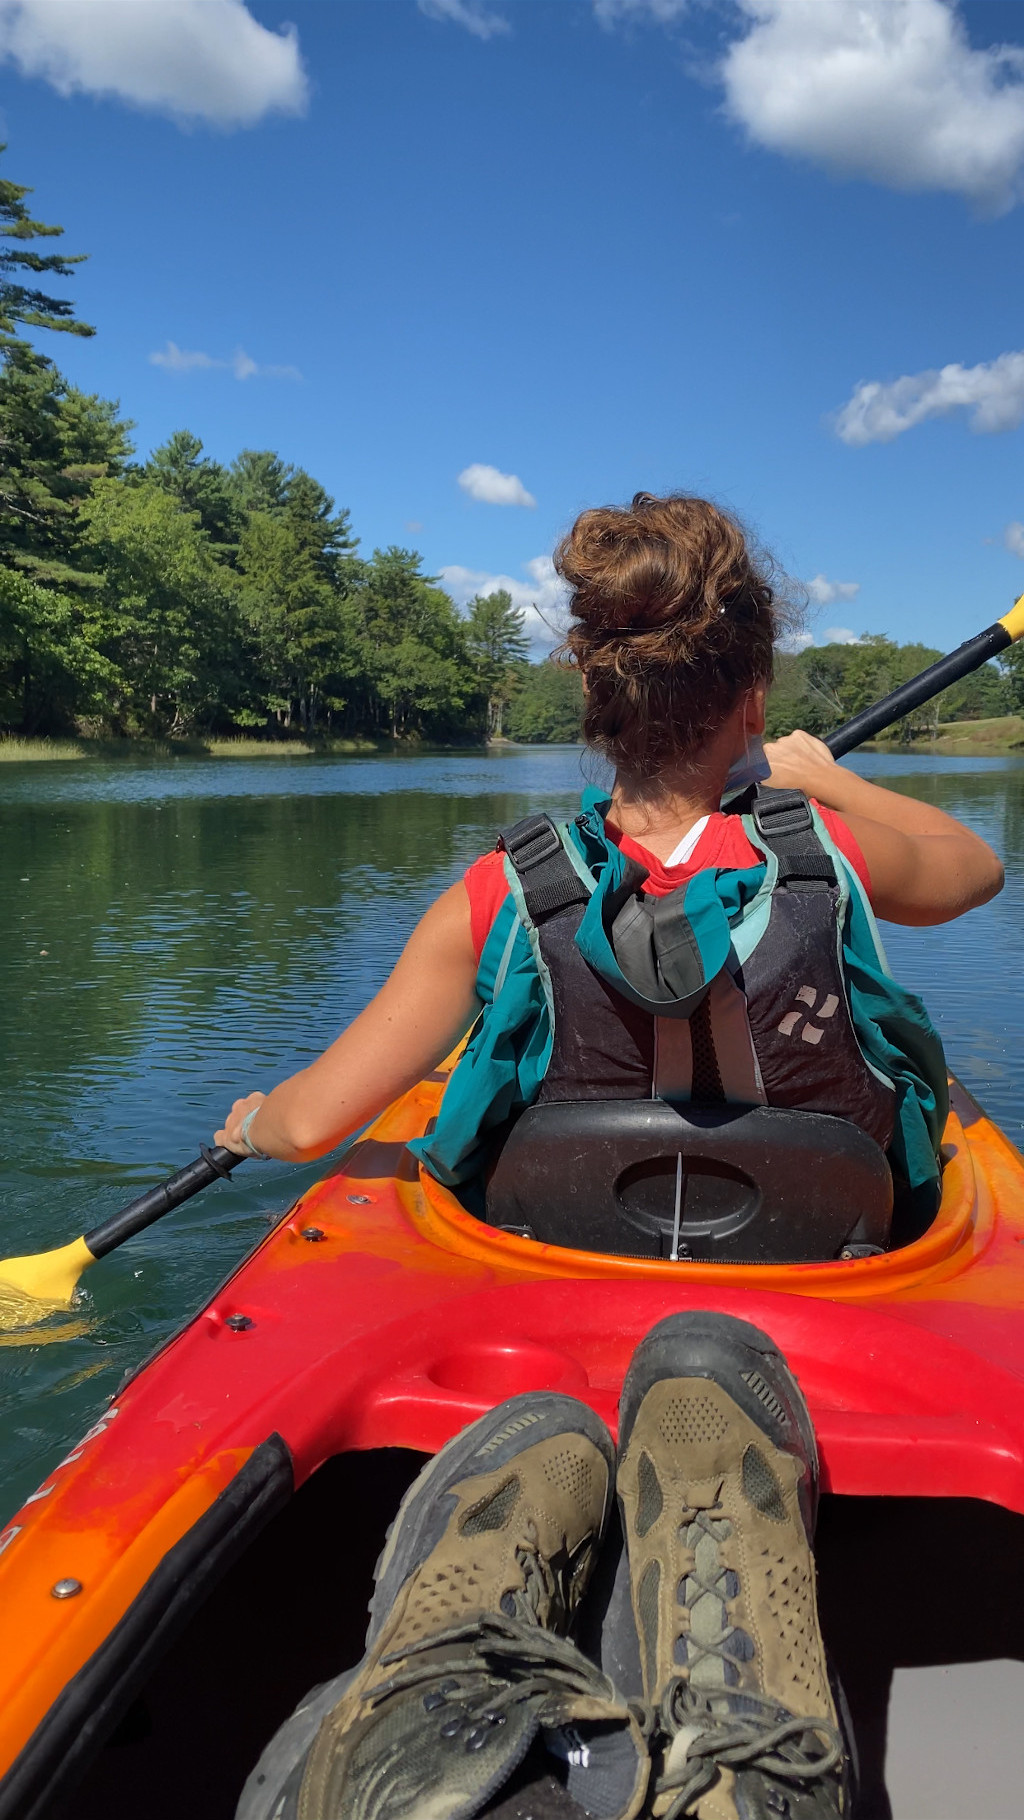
378	1315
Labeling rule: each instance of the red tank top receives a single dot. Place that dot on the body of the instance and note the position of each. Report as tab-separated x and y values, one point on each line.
722	843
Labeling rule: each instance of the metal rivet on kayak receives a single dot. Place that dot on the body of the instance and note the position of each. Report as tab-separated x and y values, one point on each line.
359	1200
239	1322
65	1589
313	1233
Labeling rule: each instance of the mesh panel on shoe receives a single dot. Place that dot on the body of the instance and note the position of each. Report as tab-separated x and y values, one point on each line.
444	1597
790	1592
647	1615
649	1499
493	1512
571	1474
761	1488
689	1421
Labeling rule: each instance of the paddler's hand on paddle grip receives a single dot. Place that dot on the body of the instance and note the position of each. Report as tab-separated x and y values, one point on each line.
231	1133
797	761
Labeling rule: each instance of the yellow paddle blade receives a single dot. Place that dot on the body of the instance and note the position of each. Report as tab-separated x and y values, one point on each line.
32	1287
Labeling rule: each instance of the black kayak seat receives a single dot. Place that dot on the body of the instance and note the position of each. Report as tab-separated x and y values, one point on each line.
718	1183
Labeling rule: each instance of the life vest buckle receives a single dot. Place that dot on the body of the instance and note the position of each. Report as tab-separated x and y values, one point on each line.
785	812
531	842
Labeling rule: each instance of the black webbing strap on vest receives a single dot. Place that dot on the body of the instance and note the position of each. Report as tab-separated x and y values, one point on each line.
783	820
549	880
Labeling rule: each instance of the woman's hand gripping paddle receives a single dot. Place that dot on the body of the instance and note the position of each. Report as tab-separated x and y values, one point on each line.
32	1287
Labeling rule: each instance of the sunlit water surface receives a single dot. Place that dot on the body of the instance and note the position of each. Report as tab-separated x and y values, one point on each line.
174	934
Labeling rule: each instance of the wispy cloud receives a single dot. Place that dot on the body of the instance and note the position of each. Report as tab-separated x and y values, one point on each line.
188	360
840	635
206	60
993	393
823	592
493	487
1013	537
472	16
795	642
663	12
542	598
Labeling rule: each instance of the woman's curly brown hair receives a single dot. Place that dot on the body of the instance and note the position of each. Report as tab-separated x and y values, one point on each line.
673	619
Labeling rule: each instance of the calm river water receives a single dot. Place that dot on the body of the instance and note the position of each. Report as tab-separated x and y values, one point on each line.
173	934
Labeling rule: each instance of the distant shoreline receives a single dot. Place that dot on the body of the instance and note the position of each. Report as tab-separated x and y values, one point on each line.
14	749
999	738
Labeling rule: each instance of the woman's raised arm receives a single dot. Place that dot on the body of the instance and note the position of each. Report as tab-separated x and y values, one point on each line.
416	1018
925	867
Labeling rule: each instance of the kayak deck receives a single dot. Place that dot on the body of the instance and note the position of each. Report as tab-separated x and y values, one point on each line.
378	1315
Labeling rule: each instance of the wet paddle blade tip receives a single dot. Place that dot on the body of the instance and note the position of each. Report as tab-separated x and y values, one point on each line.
33	1287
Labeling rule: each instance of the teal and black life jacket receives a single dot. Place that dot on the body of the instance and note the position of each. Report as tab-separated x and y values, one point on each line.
760	985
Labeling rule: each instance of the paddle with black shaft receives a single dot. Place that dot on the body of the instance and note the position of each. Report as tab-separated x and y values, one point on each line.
931	682
51	1277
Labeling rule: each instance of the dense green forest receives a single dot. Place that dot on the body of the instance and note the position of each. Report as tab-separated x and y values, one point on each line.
178	595
826	684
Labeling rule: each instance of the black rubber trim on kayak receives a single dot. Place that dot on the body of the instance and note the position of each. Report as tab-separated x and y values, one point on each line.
43	1776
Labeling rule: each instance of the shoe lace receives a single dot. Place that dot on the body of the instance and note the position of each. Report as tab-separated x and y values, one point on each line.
547	1582
709	1581
489	1665
738	1732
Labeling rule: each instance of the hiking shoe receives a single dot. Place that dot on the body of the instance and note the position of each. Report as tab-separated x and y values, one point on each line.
717	1482
468	1667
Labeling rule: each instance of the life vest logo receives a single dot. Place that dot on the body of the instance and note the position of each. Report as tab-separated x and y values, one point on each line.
795	1021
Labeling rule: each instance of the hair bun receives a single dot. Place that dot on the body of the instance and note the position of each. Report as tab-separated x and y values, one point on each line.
672	619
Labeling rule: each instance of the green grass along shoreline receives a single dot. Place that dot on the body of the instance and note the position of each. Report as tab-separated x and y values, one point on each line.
15	750
1002	737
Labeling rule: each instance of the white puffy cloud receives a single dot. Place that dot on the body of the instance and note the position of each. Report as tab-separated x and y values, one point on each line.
204	60
840	635
795	642
185	360
468	13
993	393
890	90
542	598
494	487
1013	538
823	592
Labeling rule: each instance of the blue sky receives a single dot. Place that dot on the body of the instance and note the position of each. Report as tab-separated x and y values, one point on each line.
765	249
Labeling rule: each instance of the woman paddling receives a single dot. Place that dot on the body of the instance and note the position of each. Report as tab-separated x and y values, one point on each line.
673	628
656	947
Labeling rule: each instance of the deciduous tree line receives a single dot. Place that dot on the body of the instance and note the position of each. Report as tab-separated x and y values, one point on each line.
178	594
825	685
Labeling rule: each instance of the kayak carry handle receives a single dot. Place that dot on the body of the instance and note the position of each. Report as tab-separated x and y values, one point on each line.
212	1161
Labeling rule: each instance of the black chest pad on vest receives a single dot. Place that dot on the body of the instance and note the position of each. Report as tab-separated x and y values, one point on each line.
794	981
